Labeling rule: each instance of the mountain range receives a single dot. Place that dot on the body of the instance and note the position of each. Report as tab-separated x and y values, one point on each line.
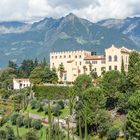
19	40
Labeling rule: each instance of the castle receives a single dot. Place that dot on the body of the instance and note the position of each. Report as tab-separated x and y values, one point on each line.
80	62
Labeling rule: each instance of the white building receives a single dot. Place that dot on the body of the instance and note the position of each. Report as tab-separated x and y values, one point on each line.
80	62
21	83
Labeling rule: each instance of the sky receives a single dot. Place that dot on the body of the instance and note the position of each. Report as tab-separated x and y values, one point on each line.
93	10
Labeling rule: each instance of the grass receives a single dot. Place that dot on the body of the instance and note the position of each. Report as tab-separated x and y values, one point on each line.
23	130
64	112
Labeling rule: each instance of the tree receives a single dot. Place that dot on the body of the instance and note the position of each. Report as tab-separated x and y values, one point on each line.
36	124
61	71
49	76
12	65
2	134
93	74
35	62
82	82
37	74
122	67
90	107
112	83
56	109
31	135
19	121
134	71
27	122
10	133
112	134
133	117
71	95
14	117
6	77
33	103
45	109
26	68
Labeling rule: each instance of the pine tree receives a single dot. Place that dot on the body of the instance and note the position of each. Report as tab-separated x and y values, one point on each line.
122	67
61	70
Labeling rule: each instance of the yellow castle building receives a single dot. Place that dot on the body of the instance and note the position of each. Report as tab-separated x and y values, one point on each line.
79	62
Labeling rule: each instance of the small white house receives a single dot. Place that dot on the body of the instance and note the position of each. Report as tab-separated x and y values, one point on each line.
21	83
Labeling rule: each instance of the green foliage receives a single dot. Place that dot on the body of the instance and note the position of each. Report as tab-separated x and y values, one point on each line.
14	117
122	103
6	78
19	120
82	82
36	124
133	117
3	134
134	70
93	74
27	122
31	135
37	74
25	69
61	103
112	134
43	74
51	92
122	67
134	101
39	106
5	94
133	124
33	103
61	70
10	133
91	105
49	76
45	109
56	109
112	83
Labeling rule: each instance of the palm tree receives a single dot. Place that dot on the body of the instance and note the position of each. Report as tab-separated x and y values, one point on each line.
61	70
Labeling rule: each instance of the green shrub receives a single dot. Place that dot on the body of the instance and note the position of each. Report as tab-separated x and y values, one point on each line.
33	103
2	134
45	109
27	122
36	124
113	134
19	120
61	103
51	92
31	135
56	109
10	133
39	106
14	117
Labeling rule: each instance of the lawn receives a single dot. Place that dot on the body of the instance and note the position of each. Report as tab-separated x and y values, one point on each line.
64	112
23	130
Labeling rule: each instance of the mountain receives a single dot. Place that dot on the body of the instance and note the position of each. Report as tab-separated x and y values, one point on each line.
66	33
129	26
13	27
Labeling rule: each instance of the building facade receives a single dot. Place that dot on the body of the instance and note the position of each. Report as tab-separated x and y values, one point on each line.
21	83
80	62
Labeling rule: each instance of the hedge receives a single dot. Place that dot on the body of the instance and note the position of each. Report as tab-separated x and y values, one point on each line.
51	92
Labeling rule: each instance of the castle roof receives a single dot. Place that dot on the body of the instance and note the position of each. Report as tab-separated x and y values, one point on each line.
21	80
94	57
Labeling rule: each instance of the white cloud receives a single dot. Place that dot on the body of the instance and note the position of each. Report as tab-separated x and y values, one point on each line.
91	9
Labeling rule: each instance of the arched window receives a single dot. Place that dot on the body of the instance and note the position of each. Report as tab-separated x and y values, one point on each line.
110	58
115	58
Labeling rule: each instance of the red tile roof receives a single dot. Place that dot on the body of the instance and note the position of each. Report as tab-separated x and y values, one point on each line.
94	57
